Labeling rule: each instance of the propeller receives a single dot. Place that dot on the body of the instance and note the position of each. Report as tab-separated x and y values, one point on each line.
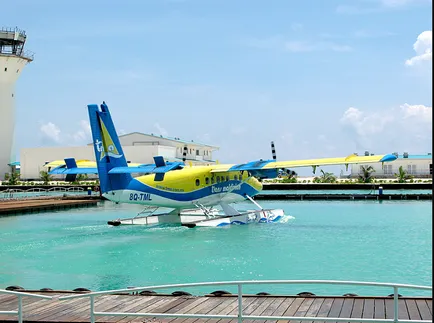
281	170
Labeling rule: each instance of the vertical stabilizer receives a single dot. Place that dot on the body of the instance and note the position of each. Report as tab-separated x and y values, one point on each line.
108	150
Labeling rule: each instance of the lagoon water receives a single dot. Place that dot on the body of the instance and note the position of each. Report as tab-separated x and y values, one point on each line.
388	241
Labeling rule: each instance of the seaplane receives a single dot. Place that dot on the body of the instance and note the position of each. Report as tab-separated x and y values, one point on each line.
192	193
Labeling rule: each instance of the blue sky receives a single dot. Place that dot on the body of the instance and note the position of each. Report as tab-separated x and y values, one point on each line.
320	78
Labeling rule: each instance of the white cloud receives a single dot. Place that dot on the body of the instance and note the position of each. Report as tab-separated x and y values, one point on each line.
365	124
403	127
84	133
161	130
423	49
419	112
51	132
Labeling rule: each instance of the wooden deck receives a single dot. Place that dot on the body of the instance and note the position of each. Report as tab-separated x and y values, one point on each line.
77	310
9	207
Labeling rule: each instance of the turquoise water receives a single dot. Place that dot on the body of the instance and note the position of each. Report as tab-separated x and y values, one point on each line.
388	241
374	191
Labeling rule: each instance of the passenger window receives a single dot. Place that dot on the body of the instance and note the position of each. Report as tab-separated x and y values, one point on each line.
197	182
218	179
227	178
235	177
206	180
212	180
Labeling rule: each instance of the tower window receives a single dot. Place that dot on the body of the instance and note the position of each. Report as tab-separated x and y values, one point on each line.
6	69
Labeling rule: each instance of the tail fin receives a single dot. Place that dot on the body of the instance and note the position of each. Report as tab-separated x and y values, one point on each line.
108	150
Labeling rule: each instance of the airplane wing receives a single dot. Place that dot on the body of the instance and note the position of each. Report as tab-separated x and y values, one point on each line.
267	168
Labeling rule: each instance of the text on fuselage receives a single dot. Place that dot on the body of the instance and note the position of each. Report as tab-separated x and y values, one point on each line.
216	189
140	197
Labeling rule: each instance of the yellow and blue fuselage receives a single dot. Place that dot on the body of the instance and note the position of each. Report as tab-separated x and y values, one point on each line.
188	186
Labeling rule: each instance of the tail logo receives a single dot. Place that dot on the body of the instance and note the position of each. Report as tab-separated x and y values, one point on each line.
106	147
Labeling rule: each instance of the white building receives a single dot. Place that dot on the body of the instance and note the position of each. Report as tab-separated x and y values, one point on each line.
138	148
13	59
419	166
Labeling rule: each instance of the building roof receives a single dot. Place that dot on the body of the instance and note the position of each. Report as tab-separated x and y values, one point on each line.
416	156
176	139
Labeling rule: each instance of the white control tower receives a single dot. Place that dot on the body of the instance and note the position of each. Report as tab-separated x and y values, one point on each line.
12	61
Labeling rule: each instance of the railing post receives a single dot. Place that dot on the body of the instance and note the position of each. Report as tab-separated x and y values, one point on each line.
92	315
20	309
395	305
240	303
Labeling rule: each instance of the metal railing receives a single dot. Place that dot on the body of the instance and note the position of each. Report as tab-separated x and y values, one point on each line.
17	193
20	296
240	316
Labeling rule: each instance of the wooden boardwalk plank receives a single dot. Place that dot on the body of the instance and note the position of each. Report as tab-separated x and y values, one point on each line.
357	311
292	309
413	311
78	310
304	307
403	310
151	308
217	309
347	307
368	308
325	308
315	307
424	310
261	308
202	308
336	308
379	309
277	301
389	308
125	305
429	304
282	308
234	309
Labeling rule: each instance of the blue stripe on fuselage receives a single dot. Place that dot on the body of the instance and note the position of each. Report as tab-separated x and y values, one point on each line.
194	195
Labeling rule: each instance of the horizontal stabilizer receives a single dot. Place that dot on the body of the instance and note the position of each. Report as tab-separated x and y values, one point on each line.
75	171
146	169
